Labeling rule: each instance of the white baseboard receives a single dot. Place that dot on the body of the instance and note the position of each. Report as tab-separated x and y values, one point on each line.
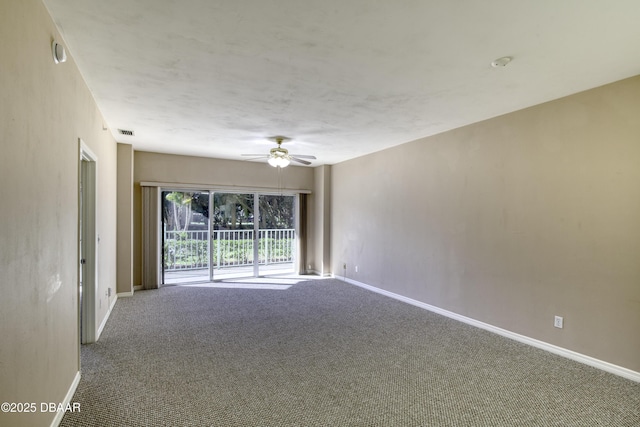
125	294
569	354
318	273
137	288
67	400
106	317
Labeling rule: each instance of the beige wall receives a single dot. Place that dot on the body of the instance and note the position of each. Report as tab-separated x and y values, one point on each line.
125	219
207	172
510	221
321	228
44	110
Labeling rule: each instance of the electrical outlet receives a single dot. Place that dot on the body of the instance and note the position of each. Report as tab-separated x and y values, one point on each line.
558	322
356	268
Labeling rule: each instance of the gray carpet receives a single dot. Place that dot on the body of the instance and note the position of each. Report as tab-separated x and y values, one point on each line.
325	353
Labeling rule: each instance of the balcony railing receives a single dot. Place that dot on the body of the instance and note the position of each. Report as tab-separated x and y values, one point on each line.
184	250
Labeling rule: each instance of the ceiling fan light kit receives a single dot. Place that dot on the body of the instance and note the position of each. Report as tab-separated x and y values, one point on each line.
279	162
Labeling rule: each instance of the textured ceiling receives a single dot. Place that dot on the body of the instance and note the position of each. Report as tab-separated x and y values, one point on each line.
342	78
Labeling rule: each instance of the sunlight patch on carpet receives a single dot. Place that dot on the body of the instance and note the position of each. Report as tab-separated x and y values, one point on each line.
239	285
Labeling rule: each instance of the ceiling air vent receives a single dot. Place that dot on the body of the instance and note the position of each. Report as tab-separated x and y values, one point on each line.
126	132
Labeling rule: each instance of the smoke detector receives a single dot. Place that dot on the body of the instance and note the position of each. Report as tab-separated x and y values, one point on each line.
59	54
501	62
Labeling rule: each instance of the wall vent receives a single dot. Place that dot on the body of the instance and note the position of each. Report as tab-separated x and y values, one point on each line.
126	132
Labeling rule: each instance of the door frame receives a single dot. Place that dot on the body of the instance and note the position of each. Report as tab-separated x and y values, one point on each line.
88	247
256	192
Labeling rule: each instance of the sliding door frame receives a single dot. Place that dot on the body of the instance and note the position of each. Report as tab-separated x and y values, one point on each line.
256	191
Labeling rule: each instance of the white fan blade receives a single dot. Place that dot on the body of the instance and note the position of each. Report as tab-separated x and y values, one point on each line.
302	156
295	159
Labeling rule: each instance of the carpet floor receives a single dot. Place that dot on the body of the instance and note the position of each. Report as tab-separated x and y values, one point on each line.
326	353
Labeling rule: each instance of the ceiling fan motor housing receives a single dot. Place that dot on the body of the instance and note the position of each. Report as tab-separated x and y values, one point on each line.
279	152
280	157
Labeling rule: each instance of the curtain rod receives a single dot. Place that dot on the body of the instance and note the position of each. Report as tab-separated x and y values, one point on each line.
227	188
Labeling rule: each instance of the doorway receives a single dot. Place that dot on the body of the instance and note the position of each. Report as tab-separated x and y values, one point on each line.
87	245
216	235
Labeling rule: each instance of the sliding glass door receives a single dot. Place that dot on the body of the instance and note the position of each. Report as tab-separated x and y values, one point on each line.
185	236
276	234
222	235
232	236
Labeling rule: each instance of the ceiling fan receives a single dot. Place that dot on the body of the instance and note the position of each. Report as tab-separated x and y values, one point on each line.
279	157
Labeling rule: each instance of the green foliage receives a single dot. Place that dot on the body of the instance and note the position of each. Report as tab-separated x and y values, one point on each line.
182	253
